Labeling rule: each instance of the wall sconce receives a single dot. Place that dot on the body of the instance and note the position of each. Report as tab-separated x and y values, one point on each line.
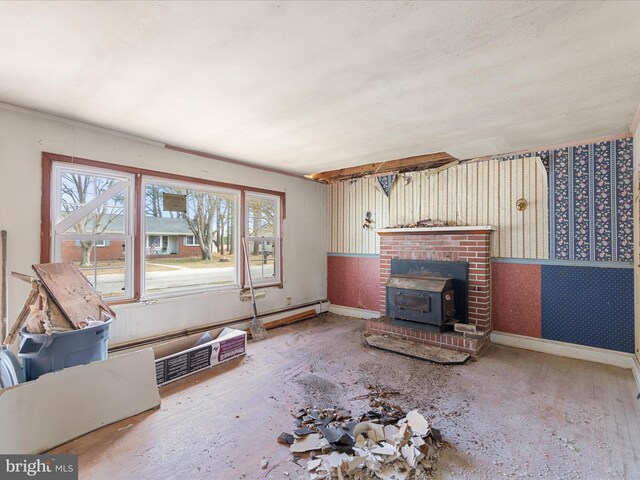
368	220
521	204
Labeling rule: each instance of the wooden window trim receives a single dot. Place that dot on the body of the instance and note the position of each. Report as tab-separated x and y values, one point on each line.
49	158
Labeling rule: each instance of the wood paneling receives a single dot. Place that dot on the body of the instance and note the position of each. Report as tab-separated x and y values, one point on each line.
479	193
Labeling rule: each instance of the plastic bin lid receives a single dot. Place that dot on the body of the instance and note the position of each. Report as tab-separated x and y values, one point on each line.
11	372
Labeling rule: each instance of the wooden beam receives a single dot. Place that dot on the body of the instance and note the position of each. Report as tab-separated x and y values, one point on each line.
409	164
289	320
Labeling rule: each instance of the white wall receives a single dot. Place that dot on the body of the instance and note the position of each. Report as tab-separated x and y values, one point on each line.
24	135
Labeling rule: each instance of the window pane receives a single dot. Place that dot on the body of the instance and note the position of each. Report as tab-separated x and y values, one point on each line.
104	267
101	221
78	189
261	216
262	258
193	250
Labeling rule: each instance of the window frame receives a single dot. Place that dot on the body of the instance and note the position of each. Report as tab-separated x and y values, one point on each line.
194	242
50	160
276	238
127	237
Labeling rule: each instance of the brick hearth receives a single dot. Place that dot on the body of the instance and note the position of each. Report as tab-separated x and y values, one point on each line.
455	244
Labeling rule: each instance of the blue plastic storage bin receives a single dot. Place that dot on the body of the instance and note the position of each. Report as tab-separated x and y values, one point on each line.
44	353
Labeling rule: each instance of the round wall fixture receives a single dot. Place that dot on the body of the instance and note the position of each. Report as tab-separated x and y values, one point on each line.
521	204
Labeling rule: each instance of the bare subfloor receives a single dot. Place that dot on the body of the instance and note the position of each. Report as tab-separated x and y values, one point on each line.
512	413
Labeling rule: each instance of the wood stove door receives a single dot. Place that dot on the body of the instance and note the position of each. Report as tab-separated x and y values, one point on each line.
404	304
413	301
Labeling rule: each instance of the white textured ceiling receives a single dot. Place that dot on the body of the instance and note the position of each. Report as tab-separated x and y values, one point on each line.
313	86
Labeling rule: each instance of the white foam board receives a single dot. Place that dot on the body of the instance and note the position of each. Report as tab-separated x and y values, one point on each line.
57	407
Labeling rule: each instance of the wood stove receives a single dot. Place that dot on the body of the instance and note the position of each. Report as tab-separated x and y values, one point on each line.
422	299
429	295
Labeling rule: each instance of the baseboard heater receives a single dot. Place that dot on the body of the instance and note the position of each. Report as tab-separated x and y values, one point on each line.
271	320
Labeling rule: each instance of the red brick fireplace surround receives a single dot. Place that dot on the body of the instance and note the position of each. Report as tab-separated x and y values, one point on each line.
455	244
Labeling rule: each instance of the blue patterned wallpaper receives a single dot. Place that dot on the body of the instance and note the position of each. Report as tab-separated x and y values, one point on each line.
588	306
590	200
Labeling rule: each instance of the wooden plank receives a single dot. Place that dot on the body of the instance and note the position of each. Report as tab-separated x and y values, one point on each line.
366	203
409	164
416	195
72	292
529	193
542	206
463	220
23	315
505	217
23	277
452	195
432	197
351	216
442	356
516	216
492	194
331	219
290	319
340	216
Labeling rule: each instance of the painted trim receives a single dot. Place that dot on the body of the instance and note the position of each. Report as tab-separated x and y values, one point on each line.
563	263
570	350
353	312
635	369
362	255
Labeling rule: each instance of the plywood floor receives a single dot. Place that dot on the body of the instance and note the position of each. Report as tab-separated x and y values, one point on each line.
513	413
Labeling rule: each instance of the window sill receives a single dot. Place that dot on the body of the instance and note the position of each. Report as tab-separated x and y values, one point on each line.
263	285
151	299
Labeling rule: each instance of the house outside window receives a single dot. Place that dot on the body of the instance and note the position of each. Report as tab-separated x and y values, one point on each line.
262	231
190	241
207	222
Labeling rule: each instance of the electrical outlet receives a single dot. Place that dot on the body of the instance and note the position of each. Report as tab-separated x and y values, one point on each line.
288	301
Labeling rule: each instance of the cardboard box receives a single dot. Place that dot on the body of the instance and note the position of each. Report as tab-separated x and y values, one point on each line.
185	356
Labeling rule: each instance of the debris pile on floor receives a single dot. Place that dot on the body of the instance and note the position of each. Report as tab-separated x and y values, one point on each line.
383	443
422	224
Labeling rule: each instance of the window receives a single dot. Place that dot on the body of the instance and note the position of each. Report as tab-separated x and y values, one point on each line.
92	208
182	234
190	241
204	215
263	237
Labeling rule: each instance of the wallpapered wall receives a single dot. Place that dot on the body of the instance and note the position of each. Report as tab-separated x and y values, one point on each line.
590	227
590	200
590	221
